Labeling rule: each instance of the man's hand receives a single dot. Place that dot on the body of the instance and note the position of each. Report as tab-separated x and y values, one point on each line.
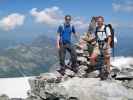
57	46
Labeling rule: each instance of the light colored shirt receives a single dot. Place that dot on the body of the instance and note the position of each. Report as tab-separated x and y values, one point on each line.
101	35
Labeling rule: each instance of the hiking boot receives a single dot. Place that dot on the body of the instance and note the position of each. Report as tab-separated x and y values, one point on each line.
75	69
104	75
109	77
61	71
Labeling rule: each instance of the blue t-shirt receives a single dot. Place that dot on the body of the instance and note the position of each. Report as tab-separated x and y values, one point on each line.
65	32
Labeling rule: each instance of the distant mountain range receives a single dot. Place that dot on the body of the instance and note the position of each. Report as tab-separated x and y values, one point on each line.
28	59
40	55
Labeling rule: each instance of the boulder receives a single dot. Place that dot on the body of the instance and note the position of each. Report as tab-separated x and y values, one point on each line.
79	89
4	97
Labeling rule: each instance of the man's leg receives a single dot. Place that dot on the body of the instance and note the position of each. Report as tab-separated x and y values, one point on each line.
93	58
107	59
94	55
73	54
107	62
62	53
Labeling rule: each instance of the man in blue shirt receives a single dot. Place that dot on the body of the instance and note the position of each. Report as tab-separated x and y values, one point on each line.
64	44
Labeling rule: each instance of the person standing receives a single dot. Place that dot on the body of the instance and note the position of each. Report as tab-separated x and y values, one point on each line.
64	44
103	36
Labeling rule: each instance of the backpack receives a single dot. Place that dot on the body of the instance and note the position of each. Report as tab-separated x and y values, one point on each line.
112	34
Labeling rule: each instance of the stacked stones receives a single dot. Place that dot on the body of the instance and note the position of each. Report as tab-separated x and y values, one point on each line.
83	61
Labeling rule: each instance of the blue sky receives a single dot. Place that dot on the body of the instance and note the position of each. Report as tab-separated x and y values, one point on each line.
34	16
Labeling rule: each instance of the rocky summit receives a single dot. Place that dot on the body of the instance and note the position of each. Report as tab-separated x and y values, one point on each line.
50	86
84	85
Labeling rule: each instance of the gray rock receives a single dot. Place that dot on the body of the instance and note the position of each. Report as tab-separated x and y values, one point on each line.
73	86
16	99
125	74
69	72
81	71
93	74
128	84
80	89
4	97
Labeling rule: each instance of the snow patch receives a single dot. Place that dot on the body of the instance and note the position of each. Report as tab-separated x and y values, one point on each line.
122	62
14	87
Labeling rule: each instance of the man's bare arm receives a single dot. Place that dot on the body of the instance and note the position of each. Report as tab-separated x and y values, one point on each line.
58	41
109	40
109	36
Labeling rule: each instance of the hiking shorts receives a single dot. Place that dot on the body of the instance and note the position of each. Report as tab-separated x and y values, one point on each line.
107	52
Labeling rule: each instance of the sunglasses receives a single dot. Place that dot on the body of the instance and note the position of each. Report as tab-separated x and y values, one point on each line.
68	19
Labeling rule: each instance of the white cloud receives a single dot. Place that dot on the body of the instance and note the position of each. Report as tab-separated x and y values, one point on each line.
116	24
122	62
121	24
80	23
125	6
51	16
54	16
12	21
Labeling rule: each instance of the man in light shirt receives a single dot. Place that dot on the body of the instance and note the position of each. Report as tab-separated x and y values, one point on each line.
103	35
